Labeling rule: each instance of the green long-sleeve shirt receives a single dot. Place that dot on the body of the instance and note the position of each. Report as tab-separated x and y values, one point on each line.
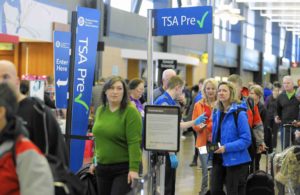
118	136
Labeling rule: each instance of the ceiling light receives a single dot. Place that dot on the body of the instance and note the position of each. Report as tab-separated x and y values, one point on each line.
229	13
292	29
271	13
271	1
295	25
293	8
285	20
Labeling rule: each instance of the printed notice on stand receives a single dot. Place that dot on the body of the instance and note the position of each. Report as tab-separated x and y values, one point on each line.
161	125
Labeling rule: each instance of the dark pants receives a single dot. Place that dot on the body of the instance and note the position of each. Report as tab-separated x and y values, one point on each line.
257	160
196	152
112	179
274	127
170	177
233	177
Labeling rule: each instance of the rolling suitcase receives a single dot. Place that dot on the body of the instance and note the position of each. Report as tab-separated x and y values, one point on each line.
260	182
288	136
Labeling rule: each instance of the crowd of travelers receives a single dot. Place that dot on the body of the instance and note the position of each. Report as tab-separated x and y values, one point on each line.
236	124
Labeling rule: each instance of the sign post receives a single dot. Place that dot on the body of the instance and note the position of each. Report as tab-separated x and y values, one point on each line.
61	60
167	22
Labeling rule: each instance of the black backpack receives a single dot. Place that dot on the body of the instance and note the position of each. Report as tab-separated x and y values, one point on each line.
89	180
65	182
49	129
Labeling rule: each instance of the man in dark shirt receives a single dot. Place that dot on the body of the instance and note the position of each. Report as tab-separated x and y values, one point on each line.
41	124
287	109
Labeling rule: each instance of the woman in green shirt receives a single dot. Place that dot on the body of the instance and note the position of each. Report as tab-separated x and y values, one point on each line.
117	131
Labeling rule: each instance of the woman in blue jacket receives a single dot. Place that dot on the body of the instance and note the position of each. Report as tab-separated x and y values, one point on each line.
231	159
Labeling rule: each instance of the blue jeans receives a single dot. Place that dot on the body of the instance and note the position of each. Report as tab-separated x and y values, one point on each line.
204	185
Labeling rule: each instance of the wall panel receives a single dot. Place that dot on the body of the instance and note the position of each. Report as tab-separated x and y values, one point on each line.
133	69
38	57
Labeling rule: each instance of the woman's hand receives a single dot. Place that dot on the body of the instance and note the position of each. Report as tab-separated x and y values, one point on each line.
92	169
131	176
221	150
261	148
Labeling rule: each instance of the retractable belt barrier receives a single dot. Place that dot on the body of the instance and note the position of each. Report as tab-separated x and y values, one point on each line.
80	137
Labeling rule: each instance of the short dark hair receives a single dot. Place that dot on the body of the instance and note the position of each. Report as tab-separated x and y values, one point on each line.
134	83
8	100
108	84
277	84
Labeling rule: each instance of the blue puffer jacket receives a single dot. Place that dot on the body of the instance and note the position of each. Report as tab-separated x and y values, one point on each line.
235	139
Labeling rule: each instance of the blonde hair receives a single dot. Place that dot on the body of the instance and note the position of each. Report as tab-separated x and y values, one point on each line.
257	90
232	97
211	81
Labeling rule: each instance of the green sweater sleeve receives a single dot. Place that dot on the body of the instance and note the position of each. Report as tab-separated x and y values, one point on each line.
134	137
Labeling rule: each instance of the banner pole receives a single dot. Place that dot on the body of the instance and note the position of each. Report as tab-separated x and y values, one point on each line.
71	83
150	89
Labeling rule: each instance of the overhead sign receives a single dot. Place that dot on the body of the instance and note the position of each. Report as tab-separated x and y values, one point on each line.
167	64
88	23
61	44
183	21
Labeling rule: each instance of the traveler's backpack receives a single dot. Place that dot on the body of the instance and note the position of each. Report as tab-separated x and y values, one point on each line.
260	182
88	179
46	126
65	182
250	106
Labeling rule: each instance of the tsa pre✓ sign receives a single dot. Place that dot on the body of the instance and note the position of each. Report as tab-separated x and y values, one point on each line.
88	22
182	21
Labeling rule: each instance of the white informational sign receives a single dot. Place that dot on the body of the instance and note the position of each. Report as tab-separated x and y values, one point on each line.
162	128
36	89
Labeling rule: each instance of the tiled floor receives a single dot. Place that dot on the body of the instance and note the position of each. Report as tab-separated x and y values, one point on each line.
188	178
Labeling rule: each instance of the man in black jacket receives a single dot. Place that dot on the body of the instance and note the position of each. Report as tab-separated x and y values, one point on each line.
44	131
287	109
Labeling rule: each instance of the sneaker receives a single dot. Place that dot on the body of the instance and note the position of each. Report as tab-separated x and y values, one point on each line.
203	192
193	164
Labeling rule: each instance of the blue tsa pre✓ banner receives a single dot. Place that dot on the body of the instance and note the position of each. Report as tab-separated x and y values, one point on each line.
182	21
88	22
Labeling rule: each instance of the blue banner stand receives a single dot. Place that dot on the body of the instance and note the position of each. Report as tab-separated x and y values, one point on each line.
85	30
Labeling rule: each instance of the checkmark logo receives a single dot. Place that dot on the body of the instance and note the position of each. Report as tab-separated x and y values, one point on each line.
79	101
200	23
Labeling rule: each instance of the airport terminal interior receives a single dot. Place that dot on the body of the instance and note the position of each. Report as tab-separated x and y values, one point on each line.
66	49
